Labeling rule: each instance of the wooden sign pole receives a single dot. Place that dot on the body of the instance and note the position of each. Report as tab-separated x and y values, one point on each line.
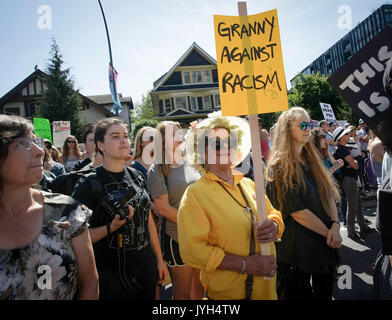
257	160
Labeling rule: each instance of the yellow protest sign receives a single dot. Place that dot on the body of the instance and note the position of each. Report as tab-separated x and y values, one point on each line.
250	64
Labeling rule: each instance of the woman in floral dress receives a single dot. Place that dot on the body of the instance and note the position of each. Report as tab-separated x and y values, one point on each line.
45	248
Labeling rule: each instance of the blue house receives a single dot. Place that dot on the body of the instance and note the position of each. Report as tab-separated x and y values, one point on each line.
189	90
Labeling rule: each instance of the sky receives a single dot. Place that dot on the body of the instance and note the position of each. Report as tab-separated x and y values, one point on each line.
148	37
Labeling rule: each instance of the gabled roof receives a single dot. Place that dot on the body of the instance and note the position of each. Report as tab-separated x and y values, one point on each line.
168	74
107	99
39	73
18	88
178	112
96	105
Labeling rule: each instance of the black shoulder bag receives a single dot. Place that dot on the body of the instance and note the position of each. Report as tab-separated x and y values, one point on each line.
163	226
252	248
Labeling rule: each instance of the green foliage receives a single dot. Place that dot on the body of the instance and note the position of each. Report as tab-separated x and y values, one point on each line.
269	119
143	110
310	90
60	100
143	123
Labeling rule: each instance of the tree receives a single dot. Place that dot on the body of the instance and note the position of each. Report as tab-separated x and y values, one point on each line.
310	90
143	115
60	100
143	110
143	123
268	119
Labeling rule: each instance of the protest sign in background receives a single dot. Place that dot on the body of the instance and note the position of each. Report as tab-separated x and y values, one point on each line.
42	128
61	130
327	112
250	64
360	83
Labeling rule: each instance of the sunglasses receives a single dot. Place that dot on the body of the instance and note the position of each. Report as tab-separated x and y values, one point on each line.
71	141
304	125
217	143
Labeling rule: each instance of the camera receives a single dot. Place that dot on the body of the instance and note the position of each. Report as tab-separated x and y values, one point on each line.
116	203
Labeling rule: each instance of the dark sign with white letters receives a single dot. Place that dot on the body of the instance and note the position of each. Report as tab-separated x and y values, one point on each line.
360	83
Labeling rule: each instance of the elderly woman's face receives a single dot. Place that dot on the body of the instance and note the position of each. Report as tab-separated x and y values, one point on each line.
218	147
23	165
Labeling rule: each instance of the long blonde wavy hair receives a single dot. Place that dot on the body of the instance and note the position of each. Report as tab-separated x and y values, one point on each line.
284	168
162	127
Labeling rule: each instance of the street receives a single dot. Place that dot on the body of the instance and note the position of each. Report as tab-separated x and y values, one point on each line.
360	257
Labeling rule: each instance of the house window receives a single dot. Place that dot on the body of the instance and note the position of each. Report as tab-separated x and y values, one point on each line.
193	103
217	100
196	76
207	102
13	111
181	103
207	76
187	77
168	106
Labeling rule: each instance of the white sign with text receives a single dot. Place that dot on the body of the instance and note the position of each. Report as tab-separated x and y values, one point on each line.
327	112
61	130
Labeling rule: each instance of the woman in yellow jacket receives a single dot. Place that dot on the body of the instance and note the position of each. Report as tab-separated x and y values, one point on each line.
217	216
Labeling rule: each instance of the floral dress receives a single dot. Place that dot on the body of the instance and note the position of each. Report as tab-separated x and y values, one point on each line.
46	268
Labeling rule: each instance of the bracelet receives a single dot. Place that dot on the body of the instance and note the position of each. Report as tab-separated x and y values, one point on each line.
243	266
108	228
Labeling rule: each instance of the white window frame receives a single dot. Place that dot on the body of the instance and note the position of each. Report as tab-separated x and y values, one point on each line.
183	77
203	77
204	103
8	112
195	100
165	106
215	99
193	77
178	107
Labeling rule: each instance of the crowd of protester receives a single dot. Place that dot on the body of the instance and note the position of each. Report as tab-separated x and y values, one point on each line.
115	223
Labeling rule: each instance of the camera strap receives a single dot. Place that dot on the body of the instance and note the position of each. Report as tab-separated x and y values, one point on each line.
129	284
252	247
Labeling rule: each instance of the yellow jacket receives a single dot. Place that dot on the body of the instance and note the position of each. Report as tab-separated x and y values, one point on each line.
210	224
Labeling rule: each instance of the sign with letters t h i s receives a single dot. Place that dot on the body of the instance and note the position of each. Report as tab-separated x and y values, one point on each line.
250	64
327	112
360	83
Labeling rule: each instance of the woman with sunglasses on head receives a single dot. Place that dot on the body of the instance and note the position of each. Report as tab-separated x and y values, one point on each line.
299	186
71	154
45	248
217	216
167	180
125	240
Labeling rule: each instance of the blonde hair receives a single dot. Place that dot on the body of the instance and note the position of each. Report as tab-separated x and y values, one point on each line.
284	168
162	127
138	141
